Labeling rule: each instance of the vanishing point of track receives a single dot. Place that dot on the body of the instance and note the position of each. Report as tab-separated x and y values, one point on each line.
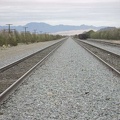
13	74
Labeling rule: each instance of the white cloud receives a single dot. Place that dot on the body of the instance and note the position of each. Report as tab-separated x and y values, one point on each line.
75	12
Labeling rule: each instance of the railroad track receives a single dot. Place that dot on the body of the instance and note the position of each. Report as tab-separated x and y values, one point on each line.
104	42
110	59
12	75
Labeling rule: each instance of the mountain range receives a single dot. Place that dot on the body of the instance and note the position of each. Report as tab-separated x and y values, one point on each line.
47	28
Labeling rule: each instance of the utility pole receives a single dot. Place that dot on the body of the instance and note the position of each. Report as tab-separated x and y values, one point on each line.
9	34
25	33
9	30
35	36
25	30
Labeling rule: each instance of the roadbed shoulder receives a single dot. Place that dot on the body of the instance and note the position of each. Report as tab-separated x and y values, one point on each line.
109	41
11	54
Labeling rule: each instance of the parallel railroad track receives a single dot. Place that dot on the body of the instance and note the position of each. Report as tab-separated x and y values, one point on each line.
110	59
105	42
13	74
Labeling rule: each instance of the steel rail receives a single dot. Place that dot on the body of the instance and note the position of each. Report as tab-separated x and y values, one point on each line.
5	94
20	60
105	42
100	48
103	61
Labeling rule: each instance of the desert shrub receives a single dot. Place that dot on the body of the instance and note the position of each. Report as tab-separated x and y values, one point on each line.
16	37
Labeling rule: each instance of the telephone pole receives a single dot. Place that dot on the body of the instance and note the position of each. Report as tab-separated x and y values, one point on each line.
9	30
25	34
25	30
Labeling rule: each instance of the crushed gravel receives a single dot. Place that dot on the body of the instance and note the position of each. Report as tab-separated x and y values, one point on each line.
71	85
7	77
111	48
12	54
107	56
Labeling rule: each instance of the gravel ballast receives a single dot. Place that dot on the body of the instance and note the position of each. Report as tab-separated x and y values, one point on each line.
71	85
11	54
111	48
7	77
110	58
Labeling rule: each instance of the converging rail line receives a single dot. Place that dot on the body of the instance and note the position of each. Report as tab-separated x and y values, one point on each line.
109	46
111	43
110	59
71	85
13	74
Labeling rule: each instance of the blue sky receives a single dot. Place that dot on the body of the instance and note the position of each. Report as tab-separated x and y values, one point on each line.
69	12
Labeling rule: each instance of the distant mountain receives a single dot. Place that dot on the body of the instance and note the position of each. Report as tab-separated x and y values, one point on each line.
43	27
